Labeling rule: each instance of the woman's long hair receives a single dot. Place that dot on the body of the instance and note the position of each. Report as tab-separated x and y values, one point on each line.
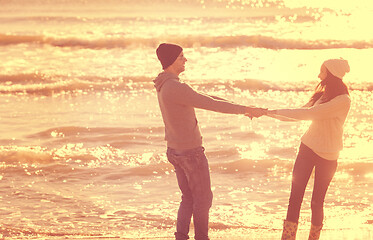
328	89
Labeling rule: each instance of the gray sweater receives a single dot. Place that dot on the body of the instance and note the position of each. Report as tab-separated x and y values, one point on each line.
177	102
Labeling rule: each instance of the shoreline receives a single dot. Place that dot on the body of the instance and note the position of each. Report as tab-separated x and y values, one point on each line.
363	233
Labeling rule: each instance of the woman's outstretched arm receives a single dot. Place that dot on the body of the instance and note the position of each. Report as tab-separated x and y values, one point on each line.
333	108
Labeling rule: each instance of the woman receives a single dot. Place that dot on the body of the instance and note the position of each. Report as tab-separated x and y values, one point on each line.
320	145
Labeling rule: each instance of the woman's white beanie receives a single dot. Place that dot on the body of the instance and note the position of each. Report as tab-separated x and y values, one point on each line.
337	67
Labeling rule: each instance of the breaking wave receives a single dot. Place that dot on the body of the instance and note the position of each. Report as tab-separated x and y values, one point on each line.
46	85
256	41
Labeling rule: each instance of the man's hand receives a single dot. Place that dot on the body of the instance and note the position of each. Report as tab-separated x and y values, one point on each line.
255	112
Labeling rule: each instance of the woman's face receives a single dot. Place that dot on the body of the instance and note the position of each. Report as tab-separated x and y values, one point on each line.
323	73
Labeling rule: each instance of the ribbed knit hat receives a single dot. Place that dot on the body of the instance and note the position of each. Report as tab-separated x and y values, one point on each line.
337	67
167	54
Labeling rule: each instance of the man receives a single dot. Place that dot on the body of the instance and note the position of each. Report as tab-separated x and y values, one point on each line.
185	152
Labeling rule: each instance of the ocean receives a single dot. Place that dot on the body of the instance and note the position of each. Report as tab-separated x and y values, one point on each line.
82	150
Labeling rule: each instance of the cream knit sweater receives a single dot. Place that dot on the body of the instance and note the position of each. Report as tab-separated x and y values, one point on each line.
325	133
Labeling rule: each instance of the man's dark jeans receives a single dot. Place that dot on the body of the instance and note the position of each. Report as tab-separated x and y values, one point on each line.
193	176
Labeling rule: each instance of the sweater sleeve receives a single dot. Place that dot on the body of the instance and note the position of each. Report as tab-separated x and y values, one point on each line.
330	109
282	118
288	119
186	95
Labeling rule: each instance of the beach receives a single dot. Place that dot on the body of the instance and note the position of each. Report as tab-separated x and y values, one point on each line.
82	150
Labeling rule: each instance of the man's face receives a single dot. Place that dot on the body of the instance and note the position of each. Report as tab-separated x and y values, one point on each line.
179	65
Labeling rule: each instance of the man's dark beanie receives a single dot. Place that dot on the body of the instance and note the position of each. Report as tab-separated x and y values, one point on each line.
167	54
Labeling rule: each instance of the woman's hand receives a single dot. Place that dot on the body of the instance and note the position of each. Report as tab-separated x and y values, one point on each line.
256	112
271	112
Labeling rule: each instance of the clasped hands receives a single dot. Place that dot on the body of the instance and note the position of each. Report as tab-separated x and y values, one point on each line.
256	112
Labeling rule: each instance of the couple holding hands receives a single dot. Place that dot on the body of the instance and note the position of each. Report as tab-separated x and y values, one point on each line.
319	148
